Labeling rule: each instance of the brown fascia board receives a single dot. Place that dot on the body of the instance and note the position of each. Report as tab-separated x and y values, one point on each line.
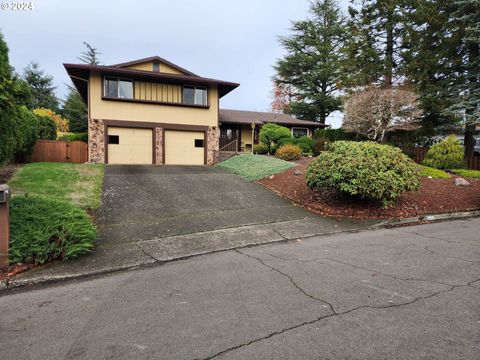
155	58
83	71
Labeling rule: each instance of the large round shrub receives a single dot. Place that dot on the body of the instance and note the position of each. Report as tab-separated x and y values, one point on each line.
289	152
365	169
447	154
44	229
270	134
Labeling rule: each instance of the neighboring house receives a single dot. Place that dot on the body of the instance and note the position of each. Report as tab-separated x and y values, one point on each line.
151	111
237	125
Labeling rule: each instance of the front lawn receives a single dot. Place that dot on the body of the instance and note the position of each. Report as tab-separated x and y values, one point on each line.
80	184
253	167
50	210
427	171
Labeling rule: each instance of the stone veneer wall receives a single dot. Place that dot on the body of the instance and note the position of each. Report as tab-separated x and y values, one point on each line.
213	139
96	141
159	145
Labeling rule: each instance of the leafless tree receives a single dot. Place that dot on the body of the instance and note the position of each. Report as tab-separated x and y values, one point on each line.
375	111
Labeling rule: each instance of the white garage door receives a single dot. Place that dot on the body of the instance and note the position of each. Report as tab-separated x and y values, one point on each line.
129	146
184	147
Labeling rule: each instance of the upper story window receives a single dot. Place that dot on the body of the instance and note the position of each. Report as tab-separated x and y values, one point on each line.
299	132
156	67
195	95
118	88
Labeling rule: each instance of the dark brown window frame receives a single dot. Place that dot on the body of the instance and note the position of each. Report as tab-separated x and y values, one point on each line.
118	79
206	88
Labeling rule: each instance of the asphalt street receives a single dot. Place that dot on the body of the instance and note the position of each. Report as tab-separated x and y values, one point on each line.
404	293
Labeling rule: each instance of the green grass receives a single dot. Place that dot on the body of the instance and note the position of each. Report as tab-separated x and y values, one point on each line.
467	173
427	171
44	229
80	184
254	167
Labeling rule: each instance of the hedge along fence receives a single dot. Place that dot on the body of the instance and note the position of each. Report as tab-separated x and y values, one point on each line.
418	155
59	151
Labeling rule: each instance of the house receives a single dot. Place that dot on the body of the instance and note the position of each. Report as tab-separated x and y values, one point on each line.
151	111
236	125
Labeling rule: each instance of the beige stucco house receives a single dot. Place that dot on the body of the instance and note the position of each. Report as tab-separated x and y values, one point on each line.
151	111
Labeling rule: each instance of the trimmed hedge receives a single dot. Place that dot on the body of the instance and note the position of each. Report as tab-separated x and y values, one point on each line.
74	137
260	149
44	229
365	169
448	154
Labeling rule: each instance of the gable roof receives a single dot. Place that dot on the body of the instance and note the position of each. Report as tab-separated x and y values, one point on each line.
155	58
80	73
247	117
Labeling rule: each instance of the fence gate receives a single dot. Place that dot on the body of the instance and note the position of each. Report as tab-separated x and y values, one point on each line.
59	151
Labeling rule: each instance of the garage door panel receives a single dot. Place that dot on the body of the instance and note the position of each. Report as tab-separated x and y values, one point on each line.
134	146
184	147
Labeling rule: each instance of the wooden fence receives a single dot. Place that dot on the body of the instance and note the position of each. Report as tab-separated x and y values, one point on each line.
59	151
419	154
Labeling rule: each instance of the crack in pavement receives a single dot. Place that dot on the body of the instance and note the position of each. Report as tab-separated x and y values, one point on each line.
424	236
318	319
361	268
289	278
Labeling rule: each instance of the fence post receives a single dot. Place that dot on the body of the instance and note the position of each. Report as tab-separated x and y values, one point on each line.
4	226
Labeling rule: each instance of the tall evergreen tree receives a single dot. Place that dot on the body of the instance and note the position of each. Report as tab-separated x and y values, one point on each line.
90	55
41	88
374	45
75	111
430	55
311	66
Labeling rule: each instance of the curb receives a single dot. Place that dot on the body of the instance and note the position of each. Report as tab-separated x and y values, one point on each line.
14	284
428	218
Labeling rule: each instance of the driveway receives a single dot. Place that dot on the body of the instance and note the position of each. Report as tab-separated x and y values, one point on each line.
406	293
151	202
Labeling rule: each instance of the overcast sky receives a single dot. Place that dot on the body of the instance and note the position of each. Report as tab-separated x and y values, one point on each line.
222	39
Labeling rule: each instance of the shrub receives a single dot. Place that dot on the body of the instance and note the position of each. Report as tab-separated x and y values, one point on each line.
47	129
365	169
289	152
270	134
447	154
332	135
284	141
260	149
319	145
305	143
44	229
73	137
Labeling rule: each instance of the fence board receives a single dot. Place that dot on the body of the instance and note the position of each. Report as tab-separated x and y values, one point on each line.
58	151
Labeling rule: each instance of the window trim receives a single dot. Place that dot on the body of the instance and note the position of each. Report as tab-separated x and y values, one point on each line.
299	128
195	87
118	79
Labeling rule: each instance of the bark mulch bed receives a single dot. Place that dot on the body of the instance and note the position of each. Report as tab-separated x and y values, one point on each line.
434	197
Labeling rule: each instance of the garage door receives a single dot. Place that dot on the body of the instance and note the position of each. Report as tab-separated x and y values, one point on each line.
129	146
184	147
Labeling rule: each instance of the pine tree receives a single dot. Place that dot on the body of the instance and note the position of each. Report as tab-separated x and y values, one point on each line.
373	50
75	111
90	55
311	66
41	88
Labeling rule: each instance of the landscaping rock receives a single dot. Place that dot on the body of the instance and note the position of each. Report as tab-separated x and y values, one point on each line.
297	172
461	182
271	177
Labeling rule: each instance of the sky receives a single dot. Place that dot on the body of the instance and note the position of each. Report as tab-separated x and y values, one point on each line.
221	39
